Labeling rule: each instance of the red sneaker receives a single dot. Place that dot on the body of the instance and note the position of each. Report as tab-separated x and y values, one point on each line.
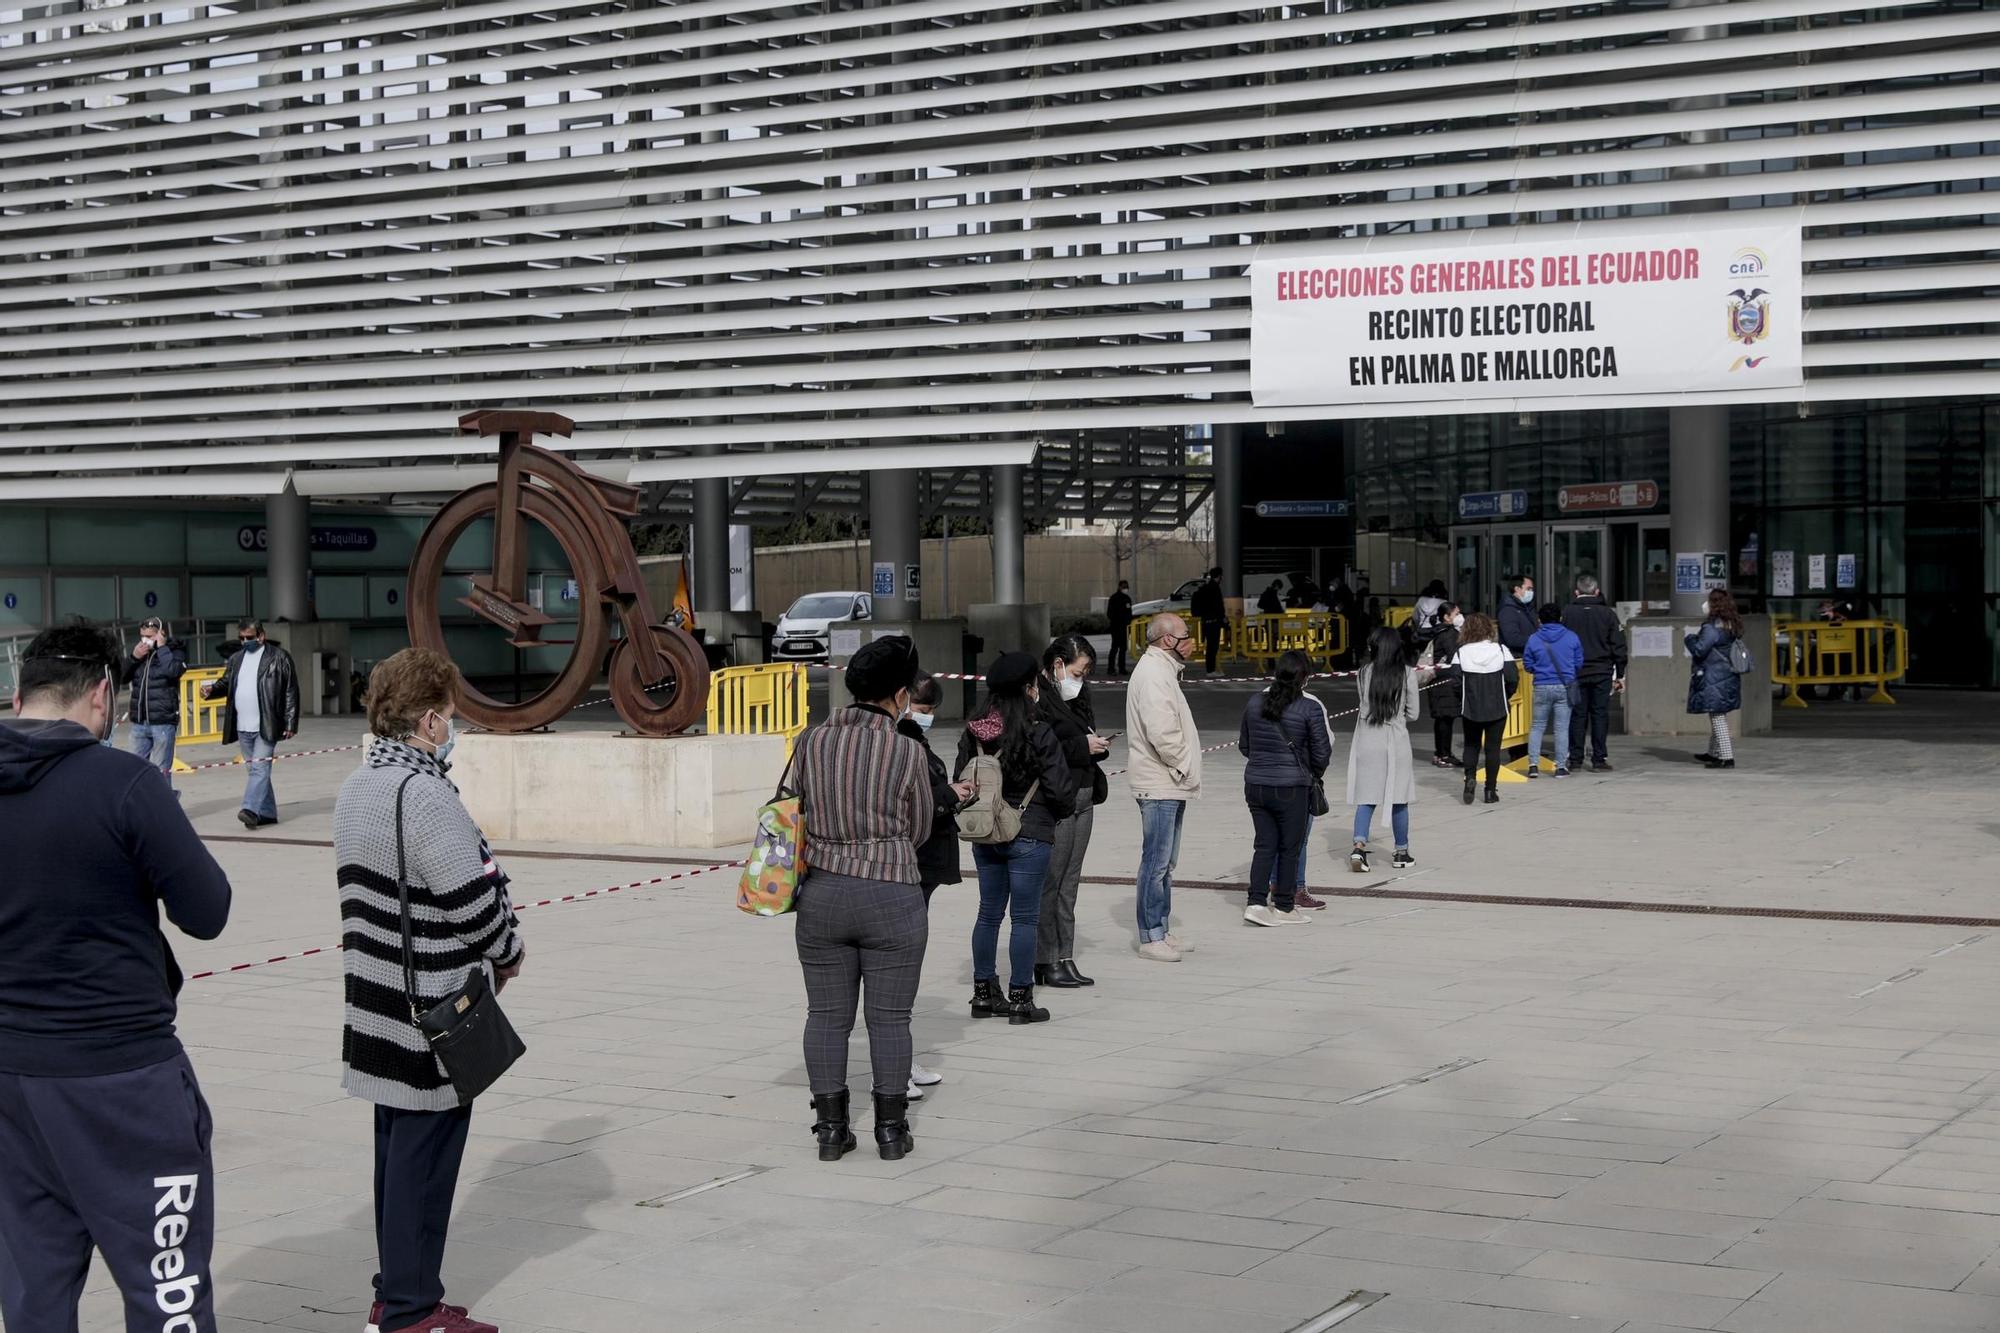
1305	902
444	1319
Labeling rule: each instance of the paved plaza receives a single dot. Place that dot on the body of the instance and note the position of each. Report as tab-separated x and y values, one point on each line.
1507	1118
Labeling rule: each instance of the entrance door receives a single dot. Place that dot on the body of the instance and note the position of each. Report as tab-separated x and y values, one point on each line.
1469	559
1516	550
1575	550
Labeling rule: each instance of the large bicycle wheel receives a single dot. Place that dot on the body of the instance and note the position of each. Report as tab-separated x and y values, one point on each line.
593	631
676	700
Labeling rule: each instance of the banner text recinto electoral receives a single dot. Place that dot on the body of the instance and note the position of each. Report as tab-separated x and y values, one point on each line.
1710	311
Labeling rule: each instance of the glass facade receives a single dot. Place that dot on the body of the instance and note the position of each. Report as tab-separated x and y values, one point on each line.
1893	505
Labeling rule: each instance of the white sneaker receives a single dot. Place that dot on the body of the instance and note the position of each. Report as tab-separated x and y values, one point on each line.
1260	914
924	1077
1177	944
1159	951
916	1093
1292	918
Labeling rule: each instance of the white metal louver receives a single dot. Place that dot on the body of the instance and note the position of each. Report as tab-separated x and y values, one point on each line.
243	239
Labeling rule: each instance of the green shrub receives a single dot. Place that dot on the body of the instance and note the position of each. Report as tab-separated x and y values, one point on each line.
1093	622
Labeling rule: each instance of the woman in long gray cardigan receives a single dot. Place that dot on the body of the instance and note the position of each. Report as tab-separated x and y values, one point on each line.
1379	771
461	920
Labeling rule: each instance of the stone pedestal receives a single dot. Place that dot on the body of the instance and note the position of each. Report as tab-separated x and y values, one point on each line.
740	633
1010	627
600	789
1656	688
320	650
940	648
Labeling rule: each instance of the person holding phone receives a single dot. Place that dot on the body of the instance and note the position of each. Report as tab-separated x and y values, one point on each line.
1065	705
154	670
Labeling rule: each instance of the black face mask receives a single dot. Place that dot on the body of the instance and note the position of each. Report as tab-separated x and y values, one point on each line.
251	645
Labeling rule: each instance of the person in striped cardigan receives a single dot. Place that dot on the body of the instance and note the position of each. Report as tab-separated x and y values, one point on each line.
461	919
866	796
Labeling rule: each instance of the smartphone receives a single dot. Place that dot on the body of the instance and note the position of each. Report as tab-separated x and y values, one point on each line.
1111	735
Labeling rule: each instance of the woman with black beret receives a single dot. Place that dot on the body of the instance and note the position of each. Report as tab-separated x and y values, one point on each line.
1037	782
865	792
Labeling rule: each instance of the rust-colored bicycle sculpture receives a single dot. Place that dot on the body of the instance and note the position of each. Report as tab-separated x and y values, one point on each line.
658	673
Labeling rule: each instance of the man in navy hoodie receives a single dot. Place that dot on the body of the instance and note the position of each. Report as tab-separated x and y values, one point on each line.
104	1136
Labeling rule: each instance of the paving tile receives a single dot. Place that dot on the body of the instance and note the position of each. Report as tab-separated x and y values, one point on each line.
1158	1252
1646	1274
1601	1301
1811	1303
1898	1257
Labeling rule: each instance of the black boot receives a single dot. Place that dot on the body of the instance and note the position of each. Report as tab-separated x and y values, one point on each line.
1021	1006
1492	796
892	1125
1068	968
987	1000
836	1140
1471	783
1057	975
1045	975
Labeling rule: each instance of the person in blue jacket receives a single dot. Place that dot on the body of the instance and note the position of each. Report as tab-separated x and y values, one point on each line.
1714	687
1554	654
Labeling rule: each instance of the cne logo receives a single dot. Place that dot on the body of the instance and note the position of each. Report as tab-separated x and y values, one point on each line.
1749	262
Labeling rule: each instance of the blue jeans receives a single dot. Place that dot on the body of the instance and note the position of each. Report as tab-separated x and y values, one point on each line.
1010	884
258	798
1550	701
1399	820
1159	852
154	743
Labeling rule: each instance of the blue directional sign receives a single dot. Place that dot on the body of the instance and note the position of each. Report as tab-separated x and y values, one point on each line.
12	601
1493	504
1302	509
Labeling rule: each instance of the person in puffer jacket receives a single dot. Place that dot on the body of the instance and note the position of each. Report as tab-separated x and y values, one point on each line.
1554	656
1488	677
154	671
1286	748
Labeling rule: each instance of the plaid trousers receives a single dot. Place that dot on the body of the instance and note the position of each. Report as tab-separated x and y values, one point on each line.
851	932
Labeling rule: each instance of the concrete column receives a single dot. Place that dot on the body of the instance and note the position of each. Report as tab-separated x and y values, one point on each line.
1009	537
1698	488
288	554
1229	507
894	539
709	585
742	567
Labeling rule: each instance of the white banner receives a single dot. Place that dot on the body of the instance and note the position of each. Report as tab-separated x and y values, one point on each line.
1630	315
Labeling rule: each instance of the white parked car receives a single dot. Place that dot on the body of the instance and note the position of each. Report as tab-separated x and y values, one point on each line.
1181	599
805	633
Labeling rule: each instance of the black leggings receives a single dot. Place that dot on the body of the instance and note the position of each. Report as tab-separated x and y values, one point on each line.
1441	730
1484	735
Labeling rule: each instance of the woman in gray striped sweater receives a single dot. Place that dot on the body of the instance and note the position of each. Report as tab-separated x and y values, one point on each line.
866	793
461	919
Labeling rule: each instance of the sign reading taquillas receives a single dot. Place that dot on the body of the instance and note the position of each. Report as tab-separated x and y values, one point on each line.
1712	310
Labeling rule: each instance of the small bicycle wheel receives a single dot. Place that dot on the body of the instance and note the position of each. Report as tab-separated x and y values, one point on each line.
425	609
671	704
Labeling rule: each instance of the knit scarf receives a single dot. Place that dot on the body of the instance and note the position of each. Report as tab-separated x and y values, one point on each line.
388	753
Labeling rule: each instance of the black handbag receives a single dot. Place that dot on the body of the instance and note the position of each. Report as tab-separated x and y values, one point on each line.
468	1031
1315	782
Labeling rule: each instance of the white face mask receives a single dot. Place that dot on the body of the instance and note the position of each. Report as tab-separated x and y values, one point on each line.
923	720
1069	687
1458	622
1526	595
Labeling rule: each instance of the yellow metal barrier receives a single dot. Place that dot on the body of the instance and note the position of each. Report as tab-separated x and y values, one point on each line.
759	701
201	719
1320	635
1857	652
1395	617
1520	716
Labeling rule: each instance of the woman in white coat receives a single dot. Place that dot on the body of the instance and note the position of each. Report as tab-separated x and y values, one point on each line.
1379	770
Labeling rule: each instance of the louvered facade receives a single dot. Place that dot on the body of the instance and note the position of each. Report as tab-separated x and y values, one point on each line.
241	241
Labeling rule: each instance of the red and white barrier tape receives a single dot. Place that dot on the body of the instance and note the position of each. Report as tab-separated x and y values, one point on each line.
518	907
289	754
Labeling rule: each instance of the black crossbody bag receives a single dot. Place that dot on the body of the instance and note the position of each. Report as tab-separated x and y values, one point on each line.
468	1031
1316	783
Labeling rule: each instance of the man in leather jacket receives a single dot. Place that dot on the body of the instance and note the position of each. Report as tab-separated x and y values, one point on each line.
262	689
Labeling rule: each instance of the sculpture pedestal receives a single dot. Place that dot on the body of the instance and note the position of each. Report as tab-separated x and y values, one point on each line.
599	789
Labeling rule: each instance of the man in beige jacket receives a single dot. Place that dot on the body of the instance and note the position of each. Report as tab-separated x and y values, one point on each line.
1165	774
